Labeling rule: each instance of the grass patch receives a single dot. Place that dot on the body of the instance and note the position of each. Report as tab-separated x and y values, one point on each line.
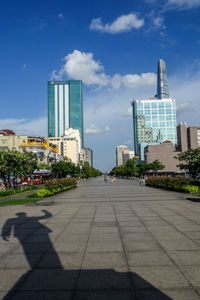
13	192
21	201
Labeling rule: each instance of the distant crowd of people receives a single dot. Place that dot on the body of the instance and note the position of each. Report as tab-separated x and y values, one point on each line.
142	181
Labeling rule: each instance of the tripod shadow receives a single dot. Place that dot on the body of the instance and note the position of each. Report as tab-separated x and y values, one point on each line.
51	281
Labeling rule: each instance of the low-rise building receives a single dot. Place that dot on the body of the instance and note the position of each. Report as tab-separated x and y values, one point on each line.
188	137
46	152
165	153
87	155
119	154
123	154
69	145
128	154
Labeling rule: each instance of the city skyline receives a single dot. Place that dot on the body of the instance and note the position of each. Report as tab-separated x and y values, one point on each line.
114	51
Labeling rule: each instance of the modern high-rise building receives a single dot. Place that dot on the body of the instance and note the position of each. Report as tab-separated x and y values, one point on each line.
154	119
65	107
162	84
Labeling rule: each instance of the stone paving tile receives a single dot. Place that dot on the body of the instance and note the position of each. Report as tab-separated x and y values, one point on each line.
9	278
141	245
72	238
104	237
17	261
130	223
158	276
43	295
97	230
185	258
194	235
68	260
104	295
148	258
137	236
193	274
103	260
68	247
50	279
113	278
32	248
134	229
8	247
178	244
107	246
172	294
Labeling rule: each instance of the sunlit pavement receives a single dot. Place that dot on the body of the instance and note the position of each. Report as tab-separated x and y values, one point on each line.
102	240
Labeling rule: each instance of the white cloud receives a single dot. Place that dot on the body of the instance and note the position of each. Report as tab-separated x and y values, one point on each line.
158	22
26	126
128	113
60	16
184	3
135	80
24	66
123	23
94	130
81	65
185	89
128	142
183	107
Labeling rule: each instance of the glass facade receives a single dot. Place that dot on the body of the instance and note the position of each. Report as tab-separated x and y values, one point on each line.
65	107
76	106
162	84
154	121
51	110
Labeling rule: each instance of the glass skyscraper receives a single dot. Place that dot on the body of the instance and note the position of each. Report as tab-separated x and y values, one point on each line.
65	107
162	84
154	119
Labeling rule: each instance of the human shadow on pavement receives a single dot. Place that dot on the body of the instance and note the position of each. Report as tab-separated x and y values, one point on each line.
48	280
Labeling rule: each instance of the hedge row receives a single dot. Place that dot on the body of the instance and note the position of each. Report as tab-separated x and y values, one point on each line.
54	186
180	184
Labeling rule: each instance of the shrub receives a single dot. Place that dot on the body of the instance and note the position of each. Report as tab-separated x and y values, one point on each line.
54	186
192	189
59	183
180	184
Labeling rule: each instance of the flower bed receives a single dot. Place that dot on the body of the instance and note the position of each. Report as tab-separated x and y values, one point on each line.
180	184
54	186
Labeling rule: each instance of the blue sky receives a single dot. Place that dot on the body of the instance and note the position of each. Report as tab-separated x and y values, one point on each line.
113	48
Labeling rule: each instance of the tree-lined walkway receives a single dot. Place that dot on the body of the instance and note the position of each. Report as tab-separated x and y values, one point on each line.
102	241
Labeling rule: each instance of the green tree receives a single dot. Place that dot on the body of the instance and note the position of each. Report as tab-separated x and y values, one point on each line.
63	168
130	168
16	164
143	169
156	166
120	171
190	160
43	166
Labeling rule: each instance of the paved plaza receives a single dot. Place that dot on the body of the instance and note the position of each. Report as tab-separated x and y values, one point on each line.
102	241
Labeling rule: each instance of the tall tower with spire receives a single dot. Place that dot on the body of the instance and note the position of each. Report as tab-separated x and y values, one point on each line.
162	84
